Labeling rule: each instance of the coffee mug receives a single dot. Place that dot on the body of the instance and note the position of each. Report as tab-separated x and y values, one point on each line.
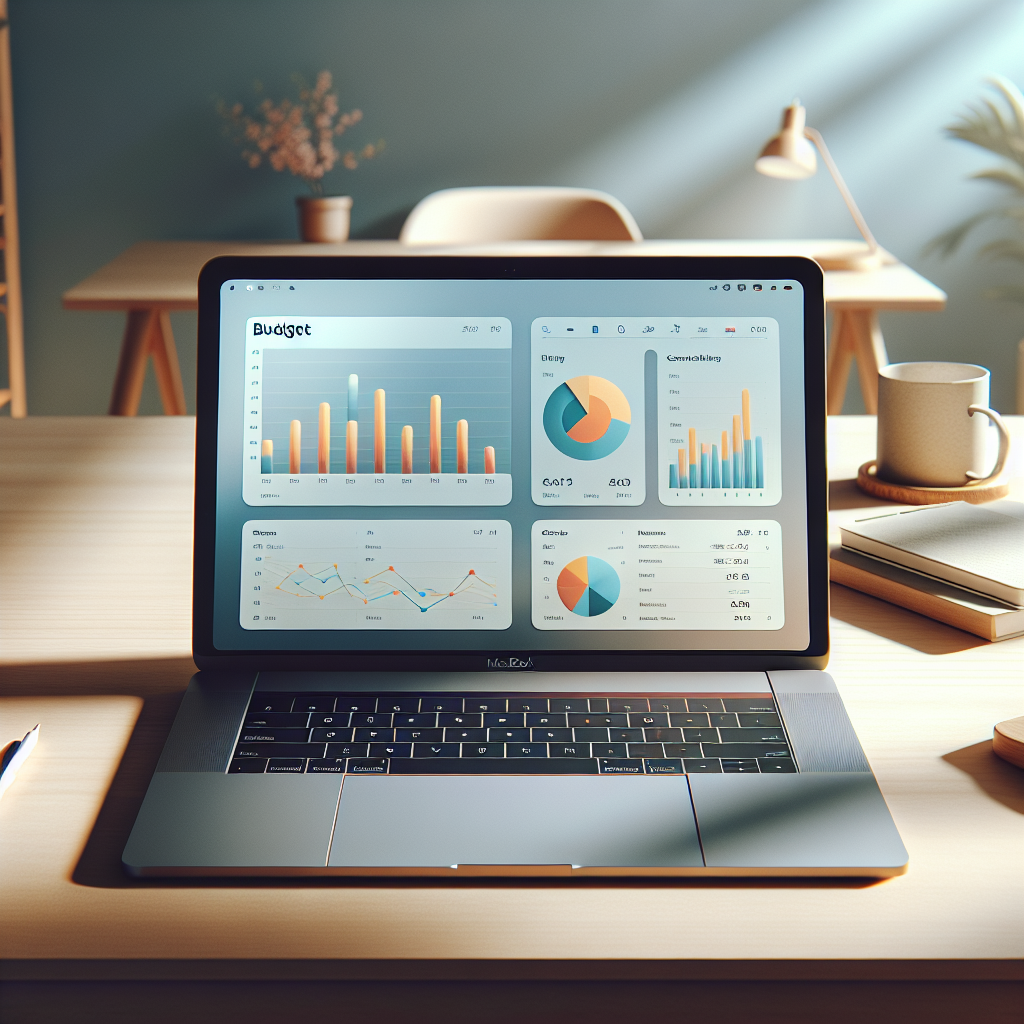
928	432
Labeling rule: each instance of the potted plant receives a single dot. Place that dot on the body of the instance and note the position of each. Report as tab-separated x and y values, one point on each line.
299	137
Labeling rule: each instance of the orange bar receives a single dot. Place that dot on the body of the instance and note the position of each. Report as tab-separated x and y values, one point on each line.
746	415
737	437
406	449
267	449
435	433
295	447
462	446
378	430
725	445
705	449
684	473
351	445
693	447
323	440
489	460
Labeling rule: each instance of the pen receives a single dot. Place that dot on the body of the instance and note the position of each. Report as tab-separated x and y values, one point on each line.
14	756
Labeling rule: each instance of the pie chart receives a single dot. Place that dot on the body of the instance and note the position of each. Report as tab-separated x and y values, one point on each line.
588	586
586	418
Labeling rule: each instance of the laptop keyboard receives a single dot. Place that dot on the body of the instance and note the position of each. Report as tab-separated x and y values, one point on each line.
487	734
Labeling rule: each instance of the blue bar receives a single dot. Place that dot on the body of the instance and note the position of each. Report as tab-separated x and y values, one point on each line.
693	475
353	396
266	463
673	476
715	479
760	464
726	473
705	470
748	463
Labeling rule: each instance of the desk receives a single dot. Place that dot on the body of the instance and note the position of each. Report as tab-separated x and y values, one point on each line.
96	648
151	279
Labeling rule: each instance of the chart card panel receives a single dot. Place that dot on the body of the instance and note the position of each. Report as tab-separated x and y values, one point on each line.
399	411
587	387
369	574
602	574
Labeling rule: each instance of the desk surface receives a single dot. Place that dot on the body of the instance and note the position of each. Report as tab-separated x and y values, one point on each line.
163	274
94	551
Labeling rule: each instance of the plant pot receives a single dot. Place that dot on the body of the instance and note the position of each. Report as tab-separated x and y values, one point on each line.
324	218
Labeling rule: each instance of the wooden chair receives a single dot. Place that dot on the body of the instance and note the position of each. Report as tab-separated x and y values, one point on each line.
466	216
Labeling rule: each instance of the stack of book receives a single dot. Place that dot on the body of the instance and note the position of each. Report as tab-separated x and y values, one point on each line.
957	563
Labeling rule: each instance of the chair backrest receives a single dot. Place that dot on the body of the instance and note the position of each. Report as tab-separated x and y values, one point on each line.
498	214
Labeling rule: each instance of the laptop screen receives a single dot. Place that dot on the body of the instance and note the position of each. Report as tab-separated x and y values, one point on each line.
506	466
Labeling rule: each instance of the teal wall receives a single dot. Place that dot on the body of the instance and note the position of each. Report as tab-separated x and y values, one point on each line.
662	102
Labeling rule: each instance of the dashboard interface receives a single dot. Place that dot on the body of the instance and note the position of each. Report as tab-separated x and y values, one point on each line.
475	465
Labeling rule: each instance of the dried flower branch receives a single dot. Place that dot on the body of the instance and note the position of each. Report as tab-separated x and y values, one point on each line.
281	136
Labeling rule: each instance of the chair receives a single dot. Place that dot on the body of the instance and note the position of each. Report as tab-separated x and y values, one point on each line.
499	214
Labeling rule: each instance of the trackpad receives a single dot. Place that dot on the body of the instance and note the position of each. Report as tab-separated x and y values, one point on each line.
584	820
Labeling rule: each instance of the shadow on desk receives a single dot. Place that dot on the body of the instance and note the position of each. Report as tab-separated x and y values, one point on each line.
999	780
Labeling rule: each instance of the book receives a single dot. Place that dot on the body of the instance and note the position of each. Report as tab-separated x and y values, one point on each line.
953	605
979	549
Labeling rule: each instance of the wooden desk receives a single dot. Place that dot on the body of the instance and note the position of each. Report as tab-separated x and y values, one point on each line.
94	551
151	279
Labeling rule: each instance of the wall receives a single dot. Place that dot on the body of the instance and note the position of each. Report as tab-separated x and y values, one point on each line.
662	102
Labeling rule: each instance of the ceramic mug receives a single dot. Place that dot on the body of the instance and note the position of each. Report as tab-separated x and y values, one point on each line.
928	432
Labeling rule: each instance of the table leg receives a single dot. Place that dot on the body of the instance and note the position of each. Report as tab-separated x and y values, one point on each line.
165	364
840	355
131	364
871	355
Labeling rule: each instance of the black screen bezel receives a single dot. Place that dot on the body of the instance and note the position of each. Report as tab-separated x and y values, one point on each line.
412	267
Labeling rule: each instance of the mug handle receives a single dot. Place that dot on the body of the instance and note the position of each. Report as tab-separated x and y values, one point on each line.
1004	441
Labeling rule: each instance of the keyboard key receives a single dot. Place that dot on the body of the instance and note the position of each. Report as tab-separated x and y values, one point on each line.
608	749
274	736
464	735
346	703
551	721
419	735
435	750
280	750
533	704
696	720
620	766
568	750
394	705
460	720
446	704
338	750
367	766
771	734
642	721
750	704
247	766
526	750
494	766
474	704
568	704
744	750
745	765
628	704
626	735
483	749
723	720
325	765
663	735
504	718
663	766
275	720
667	704
378	719
551	735
603	721
591	735
390	750
702	766
313	702
776	765
338	719
509	735
704	704
700	735
287	764
270	702
682	750
646	750
331	735
423	719
373	735
598	703
752	721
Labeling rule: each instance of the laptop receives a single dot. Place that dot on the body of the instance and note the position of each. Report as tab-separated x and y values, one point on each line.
511	565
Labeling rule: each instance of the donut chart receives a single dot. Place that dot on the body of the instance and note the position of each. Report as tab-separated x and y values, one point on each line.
588	586
586	418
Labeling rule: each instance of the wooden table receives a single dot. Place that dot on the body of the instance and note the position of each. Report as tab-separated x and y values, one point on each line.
95	518
151	279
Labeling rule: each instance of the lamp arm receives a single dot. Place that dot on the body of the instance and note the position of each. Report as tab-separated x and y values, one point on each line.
815	136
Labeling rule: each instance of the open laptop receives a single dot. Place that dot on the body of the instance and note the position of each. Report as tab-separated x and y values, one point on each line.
511	565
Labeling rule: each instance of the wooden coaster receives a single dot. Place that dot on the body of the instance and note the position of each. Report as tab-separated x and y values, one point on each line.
1008	741
907	494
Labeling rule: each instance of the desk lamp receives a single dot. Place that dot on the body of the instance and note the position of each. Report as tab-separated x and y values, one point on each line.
790	155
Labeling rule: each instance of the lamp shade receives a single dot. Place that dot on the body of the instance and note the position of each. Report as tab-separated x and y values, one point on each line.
790	153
